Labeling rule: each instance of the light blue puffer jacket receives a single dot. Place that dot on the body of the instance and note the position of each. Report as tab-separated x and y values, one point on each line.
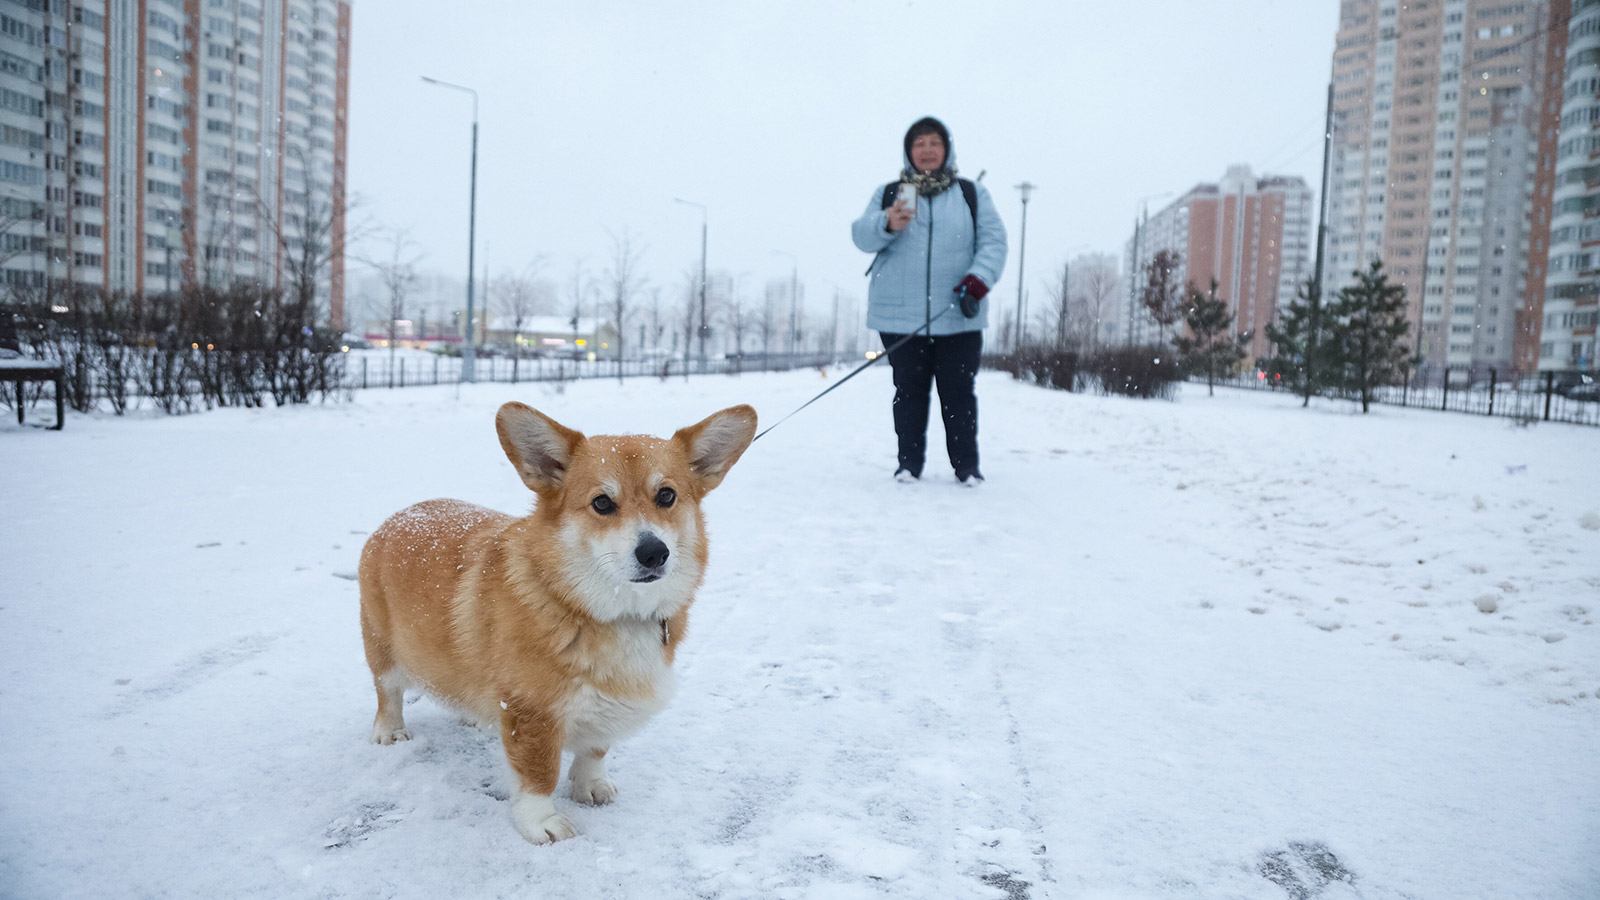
904	291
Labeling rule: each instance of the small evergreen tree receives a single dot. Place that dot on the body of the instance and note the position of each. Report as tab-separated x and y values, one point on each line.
1162	295
1208	347
1306	355
1370	324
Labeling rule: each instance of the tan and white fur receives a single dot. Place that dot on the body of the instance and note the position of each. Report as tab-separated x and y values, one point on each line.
561	626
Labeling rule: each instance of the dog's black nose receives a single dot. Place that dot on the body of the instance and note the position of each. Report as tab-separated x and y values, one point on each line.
651	552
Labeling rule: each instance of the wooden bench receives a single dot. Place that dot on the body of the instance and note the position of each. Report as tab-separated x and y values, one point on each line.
22	371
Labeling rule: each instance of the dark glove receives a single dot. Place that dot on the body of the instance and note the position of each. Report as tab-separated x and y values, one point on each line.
968	293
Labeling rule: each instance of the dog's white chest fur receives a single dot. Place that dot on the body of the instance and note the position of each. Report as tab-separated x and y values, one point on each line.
597	719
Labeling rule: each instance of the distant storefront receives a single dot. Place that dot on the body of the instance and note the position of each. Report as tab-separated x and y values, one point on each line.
553	336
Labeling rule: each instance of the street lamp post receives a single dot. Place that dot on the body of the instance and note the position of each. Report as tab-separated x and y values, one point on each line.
705	330
468	351
1026	188
794	296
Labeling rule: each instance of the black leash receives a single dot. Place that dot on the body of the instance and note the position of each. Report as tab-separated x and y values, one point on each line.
859	369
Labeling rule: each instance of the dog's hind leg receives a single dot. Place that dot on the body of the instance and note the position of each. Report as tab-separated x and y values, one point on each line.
391	682
389	725
589	782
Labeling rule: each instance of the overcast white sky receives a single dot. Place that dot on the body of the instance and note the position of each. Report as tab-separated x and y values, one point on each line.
784	117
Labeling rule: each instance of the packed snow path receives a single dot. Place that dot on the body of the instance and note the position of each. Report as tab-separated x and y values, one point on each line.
1222	647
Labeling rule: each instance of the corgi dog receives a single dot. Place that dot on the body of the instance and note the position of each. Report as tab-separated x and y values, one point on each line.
561	626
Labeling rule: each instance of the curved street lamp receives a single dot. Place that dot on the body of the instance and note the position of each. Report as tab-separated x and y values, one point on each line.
468	351
1027	188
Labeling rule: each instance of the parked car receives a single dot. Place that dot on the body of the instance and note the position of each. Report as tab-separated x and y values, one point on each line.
1563	383
1589	391
1567	382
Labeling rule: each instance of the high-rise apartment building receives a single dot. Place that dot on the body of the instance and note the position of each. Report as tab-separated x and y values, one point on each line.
1562	332
145	144
1253	235
1439	162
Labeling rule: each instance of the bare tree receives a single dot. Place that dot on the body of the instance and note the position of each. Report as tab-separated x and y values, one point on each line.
311	237
397	271
734	317
1097	284
1008	326
305	236
774	317
578	291
516	297
684	327
656	329
622	281
1056	315
833	328
309	234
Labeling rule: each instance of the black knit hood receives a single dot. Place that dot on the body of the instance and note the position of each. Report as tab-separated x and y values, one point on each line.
925	125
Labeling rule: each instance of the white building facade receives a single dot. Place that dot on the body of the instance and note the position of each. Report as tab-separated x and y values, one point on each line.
1572	287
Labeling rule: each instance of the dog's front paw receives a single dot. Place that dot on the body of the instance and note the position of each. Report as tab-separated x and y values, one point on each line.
594	791
384	735
537	820
549	830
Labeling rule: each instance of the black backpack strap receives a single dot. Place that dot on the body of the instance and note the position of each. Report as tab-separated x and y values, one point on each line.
890	191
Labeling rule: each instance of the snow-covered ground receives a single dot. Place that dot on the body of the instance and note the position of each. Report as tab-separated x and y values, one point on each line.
1219	647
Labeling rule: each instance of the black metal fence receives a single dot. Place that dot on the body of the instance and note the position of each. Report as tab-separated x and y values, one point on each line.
379	370
1538	398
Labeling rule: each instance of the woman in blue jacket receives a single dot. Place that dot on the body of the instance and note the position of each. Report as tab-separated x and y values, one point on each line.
936	260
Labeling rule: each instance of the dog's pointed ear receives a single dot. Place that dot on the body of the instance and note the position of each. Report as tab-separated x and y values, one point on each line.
539	446
716	443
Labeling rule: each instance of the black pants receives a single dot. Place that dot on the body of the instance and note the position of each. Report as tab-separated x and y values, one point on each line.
951	361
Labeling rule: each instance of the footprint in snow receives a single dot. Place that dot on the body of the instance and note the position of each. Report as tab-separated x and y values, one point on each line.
367	819
1304	869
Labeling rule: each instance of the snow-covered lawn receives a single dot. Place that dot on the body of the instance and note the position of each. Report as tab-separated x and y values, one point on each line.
1221	647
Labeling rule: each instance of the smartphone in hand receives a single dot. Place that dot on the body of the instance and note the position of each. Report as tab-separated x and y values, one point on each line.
907	198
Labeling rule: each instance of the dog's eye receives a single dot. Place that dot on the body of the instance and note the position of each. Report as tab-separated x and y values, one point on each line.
603	505
666	497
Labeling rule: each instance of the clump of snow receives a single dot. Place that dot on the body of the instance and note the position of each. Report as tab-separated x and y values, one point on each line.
1590	521
1487	603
